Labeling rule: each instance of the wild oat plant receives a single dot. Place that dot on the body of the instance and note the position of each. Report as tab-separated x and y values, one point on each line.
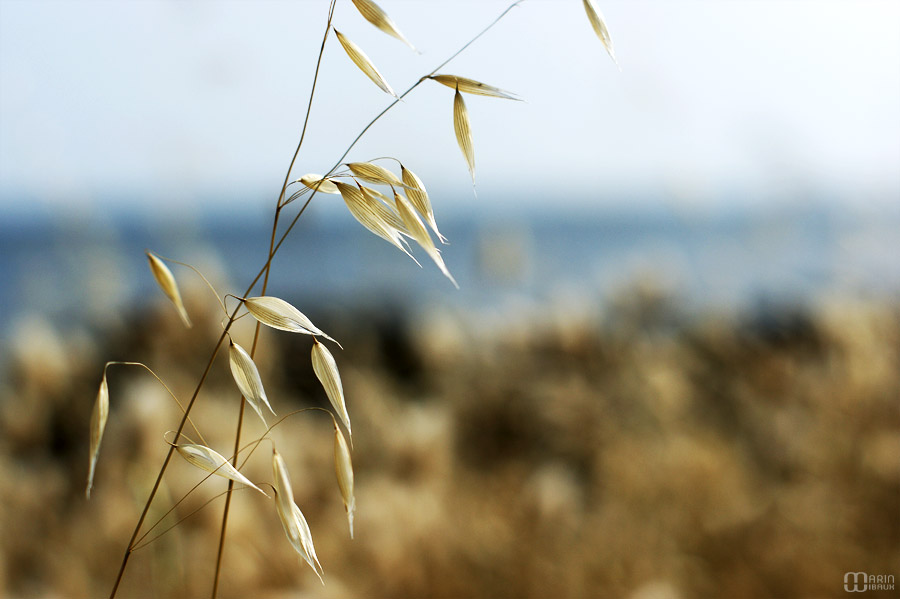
395	207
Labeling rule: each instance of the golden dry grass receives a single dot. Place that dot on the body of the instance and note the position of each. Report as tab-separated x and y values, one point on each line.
633	454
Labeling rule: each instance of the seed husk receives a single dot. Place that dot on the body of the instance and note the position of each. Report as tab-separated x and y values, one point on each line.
599	25
372	173
418	197
167	283
319	183
374	15
98	425
246	376
279	314
463	132
362	61
211	461
418	232
296	529
383	205
343	467
373	215
470	86
326	371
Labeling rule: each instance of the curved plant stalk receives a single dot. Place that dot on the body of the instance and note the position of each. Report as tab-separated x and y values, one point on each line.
267	270
166	281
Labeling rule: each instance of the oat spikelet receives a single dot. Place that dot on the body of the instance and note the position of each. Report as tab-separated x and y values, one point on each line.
327	372
166	281
470	86
211	461
278	314
373	215
296	529
599	25
463	132
374	15
344	469
362	61
372	173
312	180
98	424
246	376
418	232
383	205
418	197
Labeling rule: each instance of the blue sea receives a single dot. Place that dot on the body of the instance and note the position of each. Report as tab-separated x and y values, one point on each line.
81	270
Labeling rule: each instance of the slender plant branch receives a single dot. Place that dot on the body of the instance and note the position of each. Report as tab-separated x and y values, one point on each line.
140	543
377	118
168	458
268	268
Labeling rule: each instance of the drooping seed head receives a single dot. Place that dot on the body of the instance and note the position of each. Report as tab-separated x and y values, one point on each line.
326	371
599	24
463	131
98	425
374	15
211	461
418	197
246	376
279	314
296	529
373	173
373	214
167	283
362	61
319	183
343	467
383	206
418	232
470	86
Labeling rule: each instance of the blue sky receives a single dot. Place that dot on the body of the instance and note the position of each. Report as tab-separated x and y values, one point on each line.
191	106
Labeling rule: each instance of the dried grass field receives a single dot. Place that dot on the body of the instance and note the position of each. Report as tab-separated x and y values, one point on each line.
635	452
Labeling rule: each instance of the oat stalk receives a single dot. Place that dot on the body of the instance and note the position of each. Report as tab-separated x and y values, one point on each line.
263	274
